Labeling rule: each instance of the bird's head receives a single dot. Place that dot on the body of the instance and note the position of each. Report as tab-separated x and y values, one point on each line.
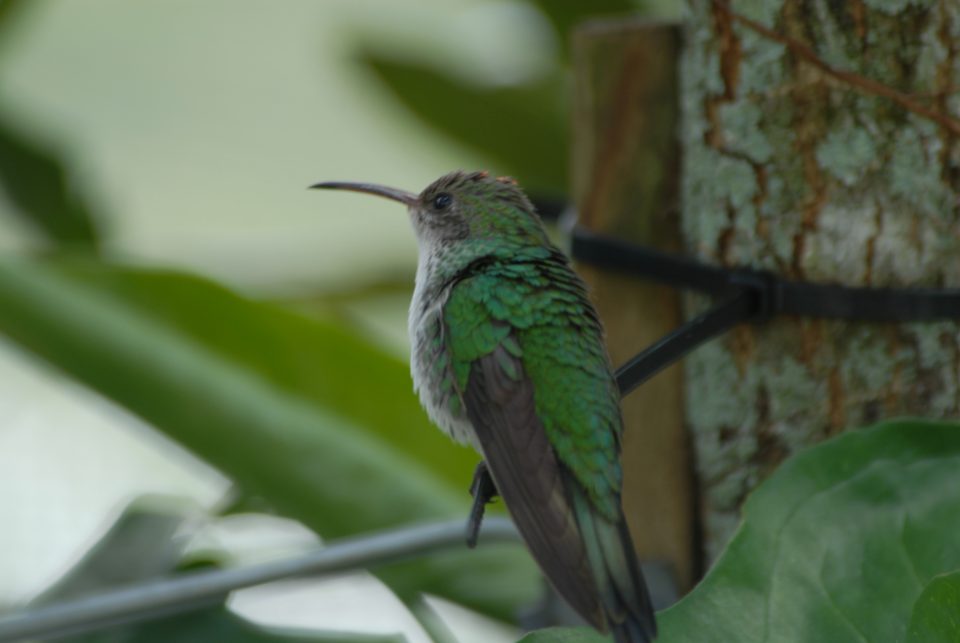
464	207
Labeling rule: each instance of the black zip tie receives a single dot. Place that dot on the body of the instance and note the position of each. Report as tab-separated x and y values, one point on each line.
747	296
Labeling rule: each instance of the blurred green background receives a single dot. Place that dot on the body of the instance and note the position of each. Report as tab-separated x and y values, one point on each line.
182	319
203	363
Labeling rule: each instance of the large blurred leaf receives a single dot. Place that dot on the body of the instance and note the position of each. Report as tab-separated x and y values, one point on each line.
315	360
136	338
936	614
521	129
10	10
35	182
836	546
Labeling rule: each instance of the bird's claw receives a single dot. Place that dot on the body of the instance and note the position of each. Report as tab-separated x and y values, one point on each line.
483	490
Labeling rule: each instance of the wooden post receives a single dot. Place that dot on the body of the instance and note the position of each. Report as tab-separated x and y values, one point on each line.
625	164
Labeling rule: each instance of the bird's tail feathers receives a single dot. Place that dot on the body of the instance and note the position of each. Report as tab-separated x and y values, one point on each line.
620	584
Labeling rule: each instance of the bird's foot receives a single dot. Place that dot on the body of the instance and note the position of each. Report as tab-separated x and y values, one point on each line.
483	490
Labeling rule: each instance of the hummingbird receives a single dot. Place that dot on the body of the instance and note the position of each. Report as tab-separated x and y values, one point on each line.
507	356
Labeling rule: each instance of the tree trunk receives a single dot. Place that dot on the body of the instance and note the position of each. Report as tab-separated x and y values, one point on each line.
817	144
625	167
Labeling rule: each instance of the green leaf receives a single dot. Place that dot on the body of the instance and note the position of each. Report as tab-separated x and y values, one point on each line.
33	178
565	635
183	354
936	614
220	624
10	11
316	360
521	129
836	546
35	181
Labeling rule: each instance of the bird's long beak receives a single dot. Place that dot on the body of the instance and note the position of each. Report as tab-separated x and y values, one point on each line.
402	196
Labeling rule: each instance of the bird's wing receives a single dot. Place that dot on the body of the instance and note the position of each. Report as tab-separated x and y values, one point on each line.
529	363
499	400
579	405
539	313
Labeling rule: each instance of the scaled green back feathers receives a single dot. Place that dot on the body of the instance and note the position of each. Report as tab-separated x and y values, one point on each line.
557	340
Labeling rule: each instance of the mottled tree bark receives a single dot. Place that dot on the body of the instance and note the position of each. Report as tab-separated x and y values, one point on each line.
819	144
625	176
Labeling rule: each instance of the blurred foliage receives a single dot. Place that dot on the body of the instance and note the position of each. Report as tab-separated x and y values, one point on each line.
220	624
308	419
936	614
522	128
566	635
232	380
140	546
316	423
314	359
35	181
36	184
10	10
844	542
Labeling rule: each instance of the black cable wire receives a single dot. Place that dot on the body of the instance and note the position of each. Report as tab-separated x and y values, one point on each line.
673	346
616	254
748	295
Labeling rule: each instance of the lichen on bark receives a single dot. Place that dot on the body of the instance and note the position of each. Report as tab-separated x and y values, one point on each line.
810	171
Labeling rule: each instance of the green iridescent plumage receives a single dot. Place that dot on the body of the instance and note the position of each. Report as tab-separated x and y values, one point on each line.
557	338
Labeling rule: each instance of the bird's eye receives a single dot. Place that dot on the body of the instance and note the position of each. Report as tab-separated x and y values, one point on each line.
442	201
